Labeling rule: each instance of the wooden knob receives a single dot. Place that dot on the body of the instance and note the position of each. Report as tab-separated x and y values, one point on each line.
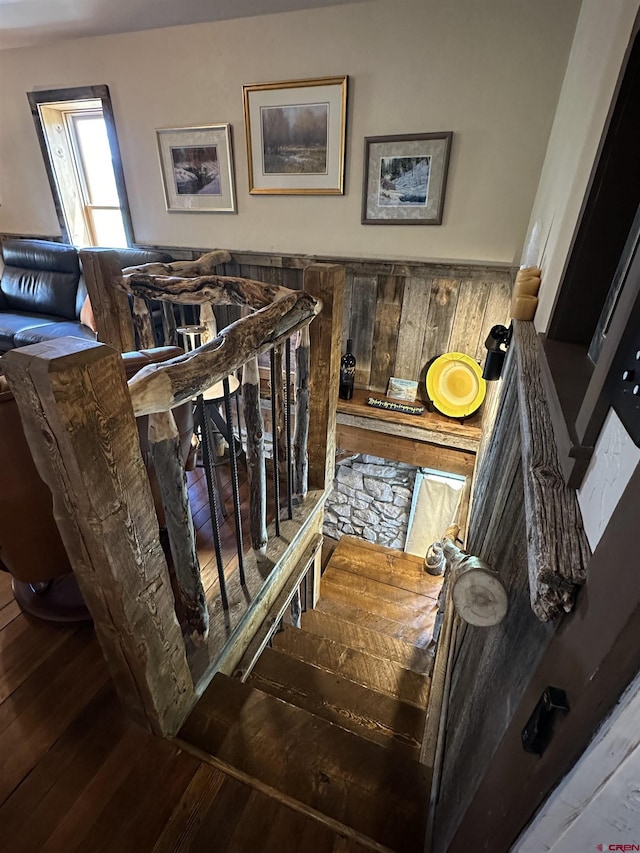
479	595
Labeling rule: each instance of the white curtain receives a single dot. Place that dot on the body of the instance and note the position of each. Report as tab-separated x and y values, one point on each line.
436	499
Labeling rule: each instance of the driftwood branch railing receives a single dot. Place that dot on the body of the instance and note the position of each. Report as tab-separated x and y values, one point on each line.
79	416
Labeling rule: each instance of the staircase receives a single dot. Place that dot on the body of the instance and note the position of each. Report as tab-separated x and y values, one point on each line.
331	719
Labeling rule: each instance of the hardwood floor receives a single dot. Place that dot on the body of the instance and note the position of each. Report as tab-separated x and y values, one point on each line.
77	775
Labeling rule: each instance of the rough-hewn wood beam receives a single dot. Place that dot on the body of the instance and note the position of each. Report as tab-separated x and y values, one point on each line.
326	283
110	305
77	417
558	551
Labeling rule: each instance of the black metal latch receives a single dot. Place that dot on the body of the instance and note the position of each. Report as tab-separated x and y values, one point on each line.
537	734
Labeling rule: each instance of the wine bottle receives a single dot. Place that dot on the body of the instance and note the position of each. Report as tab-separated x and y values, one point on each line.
347	373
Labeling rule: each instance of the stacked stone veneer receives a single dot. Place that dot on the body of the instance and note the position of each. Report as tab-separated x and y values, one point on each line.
371	498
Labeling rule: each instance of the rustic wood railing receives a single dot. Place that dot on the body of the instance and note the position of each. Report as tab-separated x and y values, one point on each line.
79	417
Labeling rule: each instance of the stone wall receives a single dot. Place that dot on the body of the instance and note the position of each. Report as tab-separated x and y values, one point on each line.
371	498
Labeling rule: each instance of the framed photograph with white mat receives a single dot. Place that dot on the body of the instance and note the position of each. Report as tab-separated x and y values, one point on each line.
405	178
197	168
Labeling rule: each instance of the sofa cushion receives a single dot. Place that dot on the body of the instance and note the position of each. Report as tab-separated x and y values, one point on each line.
87	317
40	276
133	257
12	323
41	291
63	329
41	255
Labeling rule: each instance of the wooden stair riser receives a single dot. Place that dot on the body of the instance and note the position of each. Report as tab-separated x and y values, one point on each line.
367	713
411	605
367	640
377	673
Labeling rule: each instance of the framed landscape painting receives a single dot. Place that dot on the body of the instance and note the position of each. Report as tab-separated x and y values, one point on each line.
405	178
296	136
197	168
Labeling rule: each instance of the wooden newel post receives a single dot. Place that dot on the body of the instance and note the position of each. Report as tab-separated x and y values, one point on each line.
324	282
79	423
110	305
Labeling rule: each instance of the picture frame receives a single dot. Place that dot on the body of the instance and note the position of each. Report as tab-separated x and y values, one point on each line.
197	168
405	178
296	134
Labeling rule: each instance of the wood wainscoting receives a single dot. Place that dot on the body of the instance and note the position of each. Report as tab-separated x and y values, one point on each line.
399	314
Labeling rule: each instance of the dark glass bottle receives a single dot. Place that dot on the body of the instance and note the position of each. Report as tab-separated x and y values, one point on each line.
347	373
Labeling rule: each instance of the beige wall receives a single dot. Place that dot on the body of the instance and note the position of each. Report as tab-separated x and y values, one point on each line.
601	39
490	71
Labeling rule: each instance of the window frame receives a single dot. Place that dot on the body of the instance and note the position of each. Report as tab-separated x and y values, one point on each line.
82	93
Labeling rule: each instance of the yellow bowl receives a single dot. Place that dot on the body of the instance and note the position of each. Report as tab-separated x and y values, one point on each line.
455	385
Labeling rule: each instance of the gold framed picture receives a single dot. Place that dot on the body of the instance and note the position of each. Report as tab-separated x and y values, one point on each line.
296	134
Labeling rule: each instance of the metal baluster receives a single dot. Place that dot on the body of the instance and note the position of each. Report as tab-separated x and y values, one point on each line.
234	477
213	507
274	443
287	423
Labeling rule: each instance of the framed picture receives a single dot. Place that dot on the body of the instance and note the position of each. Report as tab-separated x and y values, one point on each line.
197	168
296	136
405	178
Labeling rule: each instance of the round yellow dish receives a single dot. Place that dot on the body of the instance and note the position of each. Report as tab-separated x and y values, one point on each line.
455	385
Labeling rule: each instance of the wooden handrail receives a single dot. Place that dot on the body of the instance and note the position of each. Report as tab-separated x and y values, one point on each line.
78	414
159	387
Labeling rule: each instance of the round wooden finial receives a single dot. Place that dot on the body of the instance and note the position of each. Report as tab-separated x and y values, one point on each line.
479	596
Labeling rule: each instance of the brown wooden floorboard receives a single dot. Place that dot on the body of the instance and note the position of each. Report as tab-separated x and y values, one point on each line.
339	602
77	775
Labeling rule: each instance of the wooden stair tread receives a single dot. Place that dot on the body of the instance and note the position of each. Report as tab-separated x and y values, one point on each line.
308	760
414	602
413	619
335	603
368	640
362	553
382	675
376	716
404	571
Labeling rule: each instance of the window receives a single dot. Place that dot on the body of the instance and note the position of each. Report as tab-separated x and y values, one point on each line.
80	147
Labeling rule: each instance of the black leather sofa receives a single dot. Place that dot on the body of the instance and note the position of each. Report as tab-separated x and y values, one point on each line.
43	294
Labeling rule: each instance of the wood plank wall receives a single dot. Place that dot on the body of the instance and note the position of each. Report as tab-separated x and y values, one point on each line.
493	665
400	315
